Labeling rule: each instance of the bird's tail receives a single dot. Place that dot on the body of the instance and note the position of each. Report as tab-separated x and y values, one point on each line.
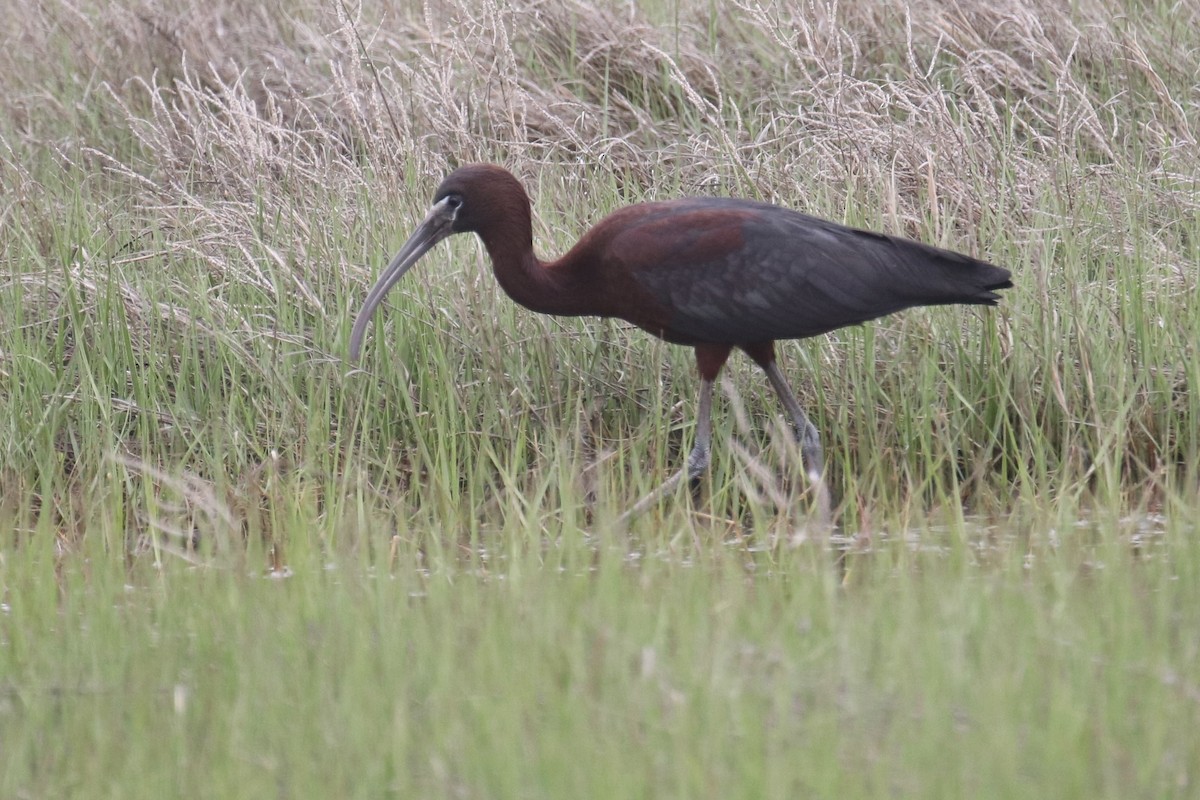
948	277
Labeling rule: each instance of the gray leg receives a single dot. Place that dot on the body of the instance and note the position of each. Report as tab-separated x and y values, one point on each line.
697	461
701	453
807	436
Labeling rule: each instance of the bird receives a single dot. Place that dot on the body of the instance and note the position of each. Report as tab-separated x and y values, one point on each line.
711	273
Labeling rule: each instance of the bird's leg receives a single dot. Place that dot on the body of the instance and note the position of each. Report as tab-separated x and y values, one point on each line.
709	360
697	460
807	436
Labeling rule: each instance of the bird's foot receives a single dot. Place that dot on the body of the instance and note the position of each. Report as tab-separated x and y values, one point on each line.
652	498
814	466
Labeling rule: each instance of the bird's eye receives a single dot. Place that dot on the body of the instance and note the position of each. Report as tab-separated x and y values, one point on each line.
453	202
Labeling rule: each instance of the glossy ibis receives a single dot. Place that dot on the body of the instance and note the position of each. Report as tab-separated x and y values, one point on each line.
711	273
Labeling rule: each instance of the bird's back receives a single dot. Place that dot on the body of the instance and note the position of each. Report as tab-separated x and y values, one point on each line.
736	271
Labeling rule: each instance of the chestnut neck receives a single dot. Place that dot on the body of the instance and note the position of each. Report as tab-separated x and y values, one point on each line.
547	288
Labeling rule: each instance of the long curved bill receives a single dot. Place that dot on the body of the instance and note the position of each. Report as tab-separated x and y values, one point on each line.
435	227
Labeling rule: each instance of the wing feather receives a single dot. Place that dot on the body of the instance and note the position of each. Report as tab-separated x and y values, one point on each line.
733	271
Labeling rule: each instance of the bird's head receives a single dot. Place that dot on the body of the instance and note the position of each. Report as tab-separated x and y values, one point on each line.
483	198
480	198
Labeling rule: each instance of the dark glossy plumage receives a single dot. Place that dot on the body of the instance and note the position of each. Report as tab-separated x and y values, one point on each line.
708	272
727	271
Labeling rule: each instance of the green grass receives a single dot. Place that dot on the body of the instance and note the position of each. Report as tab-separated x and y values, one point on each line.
715	671
232	564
